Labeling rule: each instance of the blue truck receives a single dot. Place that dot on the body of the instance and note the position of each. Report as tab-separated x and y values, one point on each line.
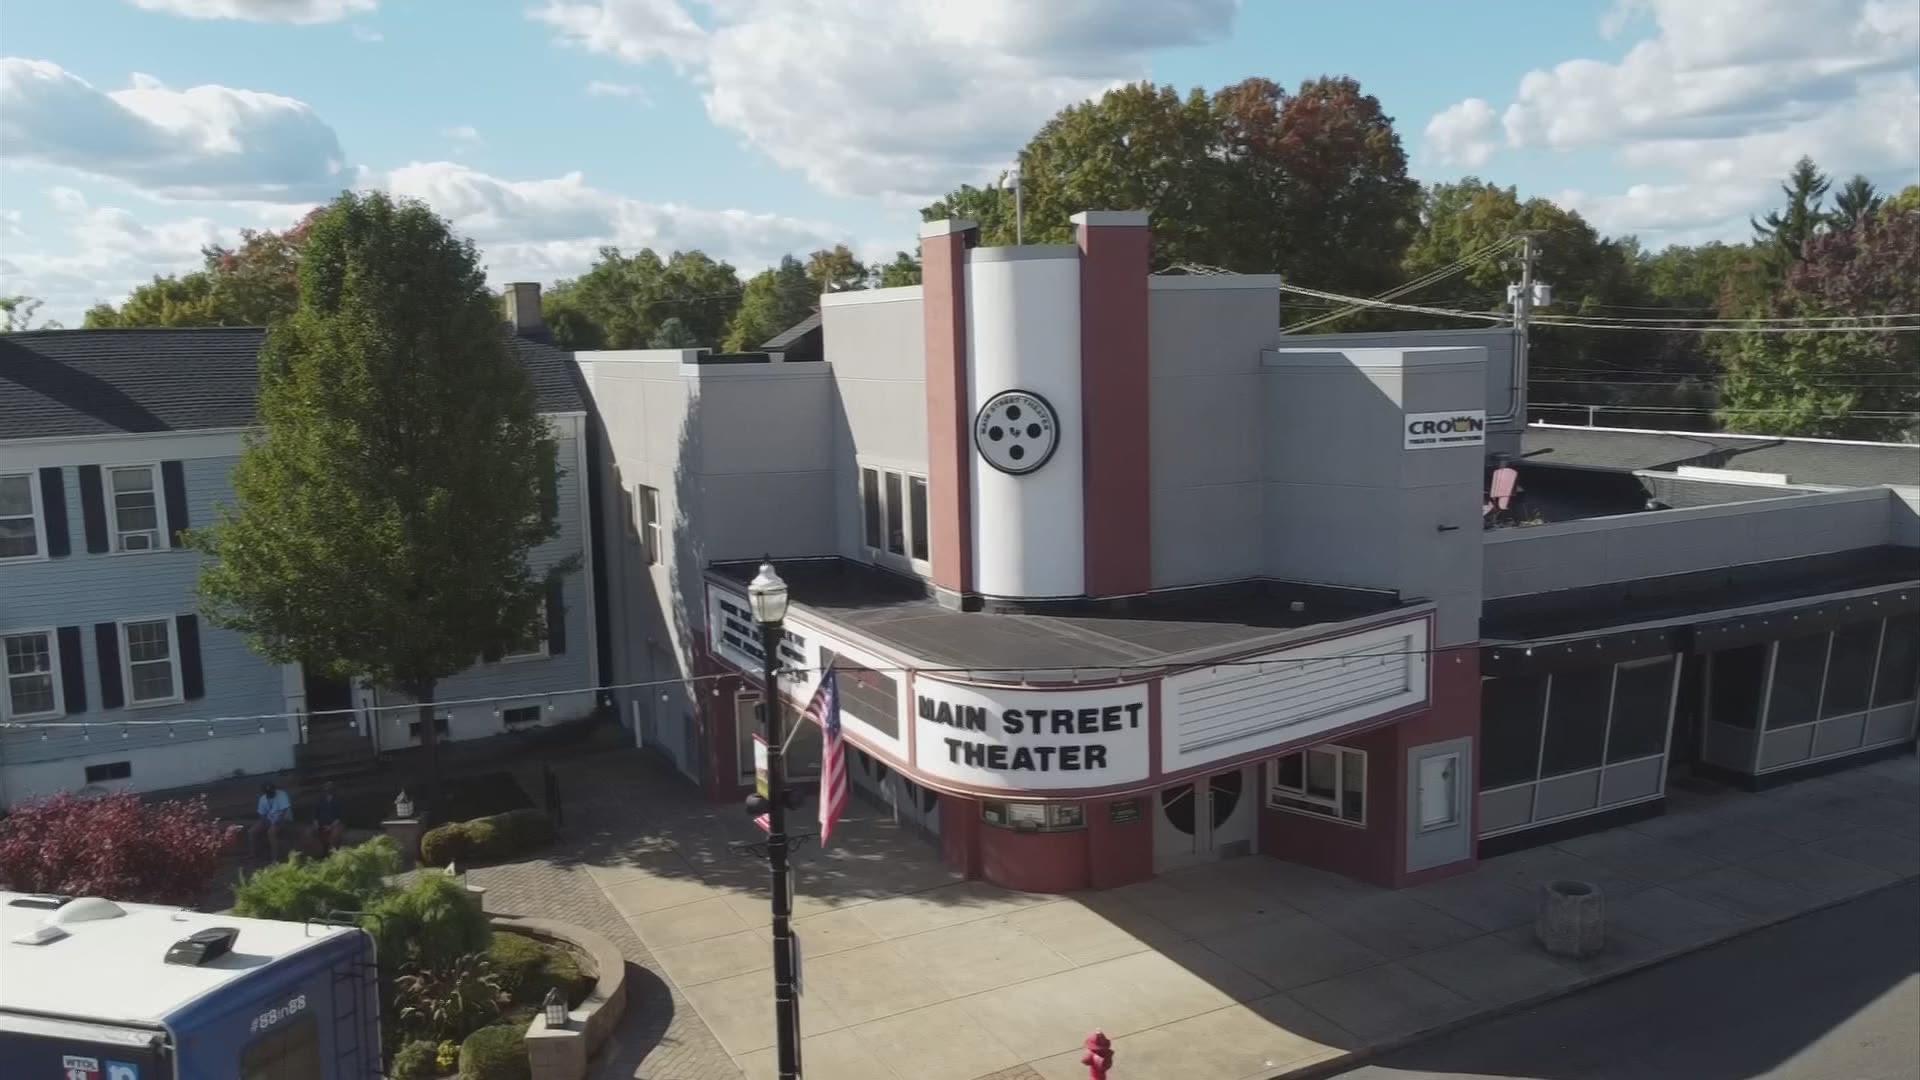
93	989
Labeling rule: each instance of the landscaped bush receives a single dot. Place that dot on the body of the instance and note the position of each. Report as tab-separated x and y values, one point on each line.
485	839
115	846
429	924
495	1053
449	1000
417	1060
349	879
527	968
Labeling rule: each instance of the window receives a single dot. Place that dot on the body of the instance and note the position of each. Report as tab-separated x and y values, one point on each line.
525	714
32	689
152	661
1032	817
1797	667
136	507
1899	661
439	727
290	1051
1850	669
1737	677
112	770
533	650
1642	697
1330	781
746	724
650	524
1511	711
1439	791
20	526
1576	721
893	516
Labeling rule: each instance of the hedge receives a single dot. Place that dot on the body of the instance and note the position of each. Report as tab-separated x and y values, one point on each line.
432	922
350	879
416	1060
527	968
486	839
495	1053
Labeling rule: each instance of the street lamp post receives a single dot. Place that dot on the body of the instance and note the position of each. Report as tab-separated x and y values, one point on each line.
767	594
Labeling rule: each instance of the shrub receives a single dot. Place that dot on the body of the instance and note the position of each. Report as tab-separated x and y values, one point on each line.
484	839
495	1053
448	1057
115	846
349	879
528	967
428	924
449	1000
417	1060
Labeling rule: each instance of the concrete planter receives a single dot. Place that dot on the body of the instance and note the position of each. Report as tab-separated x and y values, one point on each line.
563	1054
1570	918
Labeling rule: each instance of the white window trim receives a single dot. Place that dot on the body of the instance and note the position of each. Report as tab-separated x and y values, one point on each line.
53	658
163	536
649	531
907	475
173	658
1276	790
39	521
509	725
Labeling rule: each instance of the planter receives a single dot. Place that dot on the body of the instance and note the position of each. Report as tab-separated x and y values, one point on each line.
1570	919
562	1054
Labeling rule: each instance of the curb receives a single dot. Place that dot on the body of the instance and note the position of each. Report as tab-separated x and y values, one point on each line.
1354	1059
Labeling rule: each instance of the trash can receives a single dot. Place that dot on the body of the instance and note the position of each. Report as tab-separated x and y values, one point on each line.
1570	918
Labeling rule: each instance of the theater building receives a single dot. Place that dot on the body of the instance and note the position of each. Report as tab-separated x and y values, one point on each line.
1118	579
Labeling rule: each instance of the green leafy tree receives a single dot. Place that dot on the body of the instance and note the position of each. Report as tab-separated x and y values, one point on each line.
903	270
989	207
774	300
1855	202
837	270
1785	232
620	302
16	315
1818	383
386	512
1907	201
254	284
673	334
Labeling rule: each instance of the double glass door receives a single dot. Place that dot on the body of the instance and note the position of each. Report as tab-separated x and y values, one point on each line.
1206	819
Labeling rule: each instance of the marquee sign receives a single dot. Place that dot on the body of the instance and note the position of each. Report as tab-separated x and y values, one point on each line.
1030	740
1016	431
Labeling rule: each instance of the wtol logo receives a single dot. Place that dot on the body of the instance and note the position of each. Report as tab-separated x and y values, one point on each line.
1016	431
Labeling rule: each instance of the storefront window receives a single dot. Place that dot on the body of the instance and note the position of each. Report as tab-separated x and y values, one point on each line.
1642	695
1899	661
1033	817
1510	730
1576	721
1738	677
1850	669
1328	781
1798	664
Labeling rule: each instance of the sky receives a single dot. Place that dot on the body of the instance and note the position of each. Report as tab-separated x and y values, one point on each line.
132	132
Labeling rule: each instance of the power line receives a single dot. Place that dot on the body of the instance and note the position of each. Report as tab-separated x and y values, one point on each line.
1877	414
1552	320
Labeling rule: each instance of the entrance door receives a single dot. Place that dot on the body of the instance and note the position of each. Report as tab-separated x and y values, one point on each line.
1204	820
329	703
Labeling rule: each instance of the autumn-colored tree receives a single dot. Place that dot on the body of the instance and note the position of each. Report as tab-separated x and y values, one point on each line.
256	283
117	846
836	270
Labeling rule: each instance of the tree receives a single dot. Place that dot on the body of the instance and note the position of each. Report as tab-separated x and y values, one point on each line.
385	514
837	270
1817	383
16	315
253	284
1908	201
117	846
903	270
673	334
620	302
774	300
1785	232
1856	202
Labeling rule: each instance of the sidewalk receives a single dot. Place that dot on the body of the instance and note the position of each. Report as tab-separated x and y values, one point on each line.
1242	969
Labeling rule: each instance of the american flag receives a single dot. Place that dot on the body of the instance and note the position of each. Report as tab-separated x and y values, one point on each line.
824	710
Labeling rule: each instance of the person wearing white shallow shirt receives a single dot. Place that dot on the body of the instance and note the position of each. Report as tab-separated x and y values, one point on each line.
275	818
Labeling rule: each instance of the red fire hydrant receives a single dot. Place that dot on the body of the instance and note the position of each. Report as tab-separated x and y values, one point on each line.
1099	1056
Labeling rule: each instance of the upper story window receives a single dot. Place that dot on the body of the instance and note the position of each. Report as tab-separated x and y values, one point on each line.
649	507
893	515
136	514
152	658
21	526
32	688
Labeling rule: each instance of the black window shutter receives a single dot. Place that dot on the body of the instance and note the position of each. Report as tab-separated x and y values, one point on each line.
173	483
556	617
187	629
93	508
106	644
550	492
53	504
73	669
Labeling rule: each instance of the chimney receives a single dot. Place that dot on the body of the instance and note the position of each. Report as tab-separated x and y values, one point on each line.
523	308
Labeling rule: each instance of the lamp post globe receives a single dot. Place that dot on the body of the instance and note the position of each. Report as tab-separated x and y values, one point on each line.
767	593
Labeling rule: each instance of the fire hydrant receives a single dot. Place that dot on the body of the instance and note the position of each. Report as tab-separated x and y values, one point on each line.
1099	1056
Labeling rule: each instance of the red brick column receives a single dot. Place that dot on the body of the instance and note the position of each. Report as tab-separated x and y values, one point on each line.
1115	247
943	292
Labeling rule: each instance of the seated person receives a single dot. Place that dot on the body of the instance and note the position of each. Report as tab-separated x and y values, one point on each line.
329	826
274	820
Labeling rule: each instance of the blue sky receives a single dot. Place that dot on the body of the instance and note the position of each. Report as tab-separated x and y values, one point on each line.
133	131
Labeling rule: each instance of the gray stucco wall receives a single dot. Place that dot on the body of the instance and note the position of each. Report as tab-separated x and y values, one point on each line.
1503	436
1596	551
877	346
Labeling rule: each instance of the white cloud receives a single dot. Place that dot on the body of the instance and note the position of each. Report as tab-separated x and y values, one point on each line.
1717	103
463	133
901	98
204	142
289	11
101	253
1463	134
603	88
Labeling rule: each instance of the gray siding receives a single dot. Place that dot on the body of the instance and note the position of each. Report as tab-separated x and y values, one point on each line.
1503	436
877	346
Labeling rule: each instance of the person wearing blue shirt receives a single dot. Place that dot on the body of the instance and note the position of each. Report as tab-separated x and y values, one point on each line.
275	819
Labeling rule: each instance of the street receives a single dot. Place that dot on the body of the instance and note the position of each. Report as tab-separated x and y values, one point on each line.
1829	996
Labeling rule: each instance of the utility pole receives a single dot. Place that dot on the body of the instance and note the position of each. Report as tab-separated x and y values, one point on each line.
1521	296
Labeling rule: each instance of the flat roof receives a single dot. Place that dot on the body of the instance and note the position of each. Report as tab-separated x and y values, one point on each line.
113	970
1169	627
1826	462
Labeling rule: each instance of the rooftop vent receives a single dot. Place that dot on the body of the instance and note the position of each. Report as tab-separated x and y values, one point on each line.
85	909
202	947
43	901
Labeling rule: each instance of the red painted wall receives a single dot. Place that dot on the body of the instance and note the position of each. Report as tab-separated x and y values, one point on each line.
949	488
1113	395
1033	861
1119	854
1455	714
960	827
1364	853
